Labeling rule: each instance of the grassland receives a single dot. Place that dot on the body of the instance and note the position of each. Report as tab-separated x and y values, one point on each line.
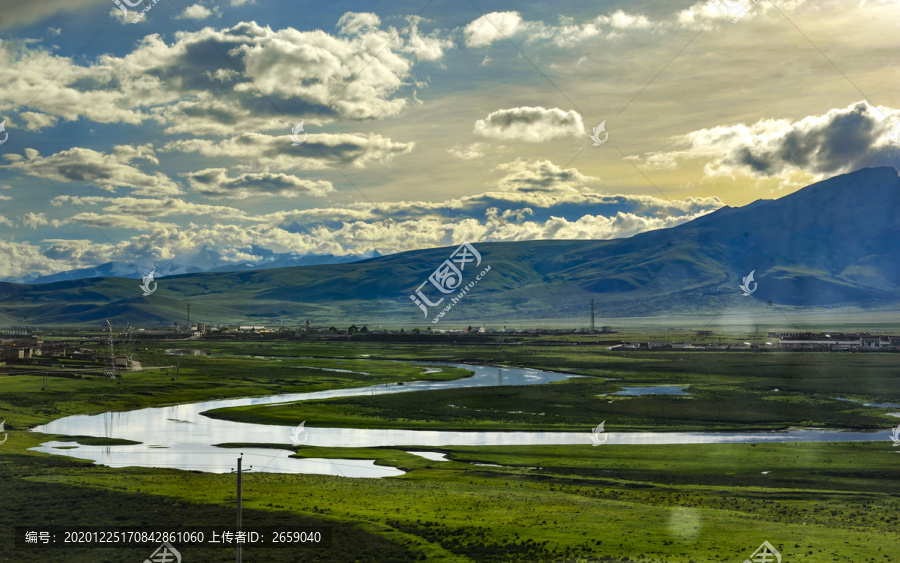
728	391
814	502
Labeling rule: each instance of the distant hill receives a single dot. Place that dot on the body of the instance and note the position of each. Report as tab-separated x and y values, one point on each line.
832	244
130	270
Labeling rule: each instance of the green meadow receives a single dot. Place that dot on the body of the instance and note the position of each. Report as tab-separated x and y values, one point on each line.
577	503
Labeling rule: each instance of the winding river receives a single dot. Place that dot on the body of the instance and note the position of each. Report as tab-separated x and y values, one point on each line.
180	437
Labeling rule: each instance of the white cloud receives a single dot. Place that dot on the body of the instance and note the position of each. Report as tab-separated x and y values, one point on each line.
215	183
819	146
473	151
318	152
492	27
532	124
34	220
352	23
540	176
425	48
37	121
359	74
199	12
111	221
24	259
105	171
153	207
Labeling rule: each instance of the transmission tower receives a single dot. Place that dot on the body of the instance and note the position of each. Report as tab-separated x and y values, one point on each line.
110	370
125	342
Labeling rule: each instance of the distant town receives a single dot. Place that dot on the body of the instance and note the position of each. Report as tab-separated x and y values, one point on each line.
106	353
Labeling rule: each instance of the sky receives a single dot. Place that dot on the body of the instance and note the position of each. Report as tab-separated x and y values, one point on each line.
160	135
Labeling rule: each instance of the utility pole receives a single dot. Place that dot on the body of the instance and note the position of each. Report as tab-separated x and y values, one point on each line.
239	472
189	316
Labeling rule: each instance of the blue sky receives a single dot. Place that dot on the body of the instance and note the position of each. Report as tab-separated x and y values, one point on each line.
166	143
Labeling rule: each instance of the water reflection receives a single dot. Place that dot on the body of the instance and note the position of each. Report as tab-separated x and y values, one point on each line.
654	390
179	436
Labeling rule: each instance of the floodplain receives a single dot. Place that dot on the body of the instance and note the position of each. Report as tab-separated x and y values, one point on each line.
825	501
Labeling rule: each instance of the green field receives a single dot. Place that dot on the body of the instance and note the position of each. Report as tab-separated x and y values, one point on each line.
813	501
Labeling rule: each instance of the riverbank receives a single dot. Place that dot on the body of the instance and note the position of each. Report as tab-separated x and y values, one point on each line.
724	393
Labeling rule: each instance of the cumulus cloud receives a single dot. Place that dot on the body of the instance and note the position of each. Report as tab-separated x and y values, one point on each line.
37	121
540	176
215	183
532	124
496	26
105	171
34	220
425	47
19	259
835	142
491	27
199	12
705	14
357	74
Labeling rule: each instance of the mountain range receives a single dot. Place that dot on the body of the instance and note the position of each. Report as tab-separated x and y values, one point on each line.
135	271
831	244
